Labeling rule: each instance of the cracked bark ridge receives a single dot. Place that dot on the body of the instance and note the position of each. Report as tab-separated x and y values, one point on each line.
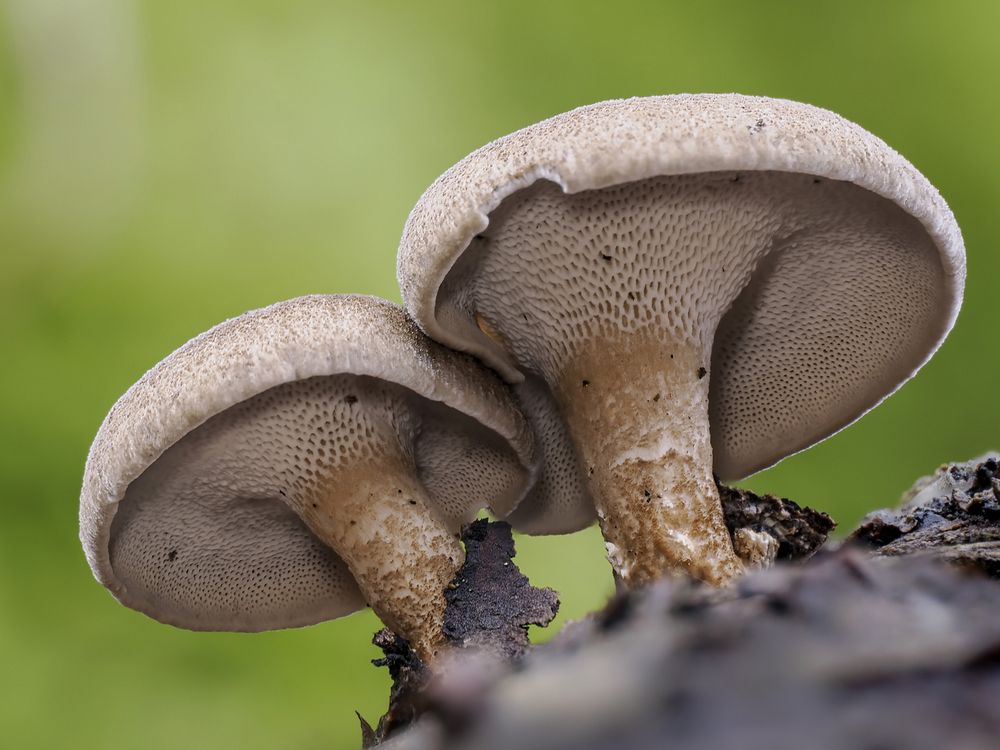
798	531
953	514
843	651
490	602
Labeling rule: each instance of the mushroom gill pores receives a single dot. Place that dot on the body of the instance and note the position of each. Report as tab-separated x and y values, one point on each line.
295	463
694	284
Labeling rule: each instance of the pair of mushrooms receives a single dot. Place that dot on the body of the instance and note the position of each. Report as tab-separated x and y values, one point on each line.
672	286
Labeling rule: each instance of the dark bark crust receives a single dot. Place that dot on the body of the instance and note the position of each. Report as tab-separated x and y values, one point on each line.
490	602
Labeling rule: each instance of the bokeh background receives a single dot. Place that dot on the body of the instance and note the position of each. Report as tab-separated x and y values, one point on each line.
165	165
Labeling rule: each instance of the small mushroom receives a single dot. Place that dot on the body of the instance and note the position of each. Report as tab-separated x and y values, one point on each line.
689	284
296	462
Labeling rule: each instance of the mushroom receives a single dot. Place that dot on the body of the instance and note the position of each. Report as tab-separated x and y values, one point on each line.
296	462
700	283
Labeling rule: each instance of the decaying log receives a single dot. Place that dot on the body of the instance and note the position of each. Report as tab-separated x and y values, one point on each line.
876	643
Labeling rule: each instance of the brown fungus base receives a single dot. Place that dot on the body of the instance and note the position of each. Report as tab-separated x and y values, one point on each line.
375	512
638	410
400	554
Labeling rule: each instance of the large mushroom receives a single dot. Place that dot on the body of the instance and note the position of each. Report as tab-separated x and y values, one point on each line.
296	462
689	284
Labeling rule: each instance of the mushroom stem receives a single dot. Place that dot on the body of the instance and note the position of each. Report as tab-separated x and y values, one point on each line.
639	415
402	556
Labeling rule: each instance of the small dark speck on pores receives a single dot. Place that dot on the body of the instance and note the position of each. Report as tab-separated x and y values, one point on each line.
413	502
702	372
350	399
584	383
605	256
656	397
172	555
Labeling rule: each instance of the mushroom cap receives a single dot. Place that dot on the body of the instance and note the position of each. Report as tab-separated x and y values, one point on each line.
256	565
768	351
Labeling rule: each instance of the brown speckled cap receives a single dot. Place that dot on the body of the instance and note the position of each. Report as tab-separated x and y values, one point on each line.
185	511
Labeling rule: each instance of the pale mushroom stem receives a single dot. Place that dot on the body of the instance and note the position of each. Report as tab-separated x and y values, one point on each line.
639	412
402	556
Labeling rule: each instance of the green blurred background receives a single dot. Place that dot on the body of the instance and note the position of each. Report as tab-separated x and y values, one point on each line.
165	165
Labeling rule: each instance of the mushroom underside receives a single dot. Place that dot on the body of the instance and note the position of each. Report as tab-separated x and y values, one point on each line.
692	324
812	299
217	535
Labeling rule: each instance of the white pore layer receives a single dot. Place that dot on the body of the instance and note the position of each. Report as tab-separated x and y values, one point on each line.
205	537
810	299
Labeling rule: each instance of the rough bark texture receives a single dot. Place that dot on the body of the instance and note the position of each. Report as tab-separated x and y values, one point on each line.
798	531
409	678
876	644
954	514
490	602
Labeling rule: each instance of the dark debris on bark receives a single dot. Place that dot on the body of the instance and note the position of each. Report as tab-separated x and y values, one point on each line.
798	531
490	602
409	678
